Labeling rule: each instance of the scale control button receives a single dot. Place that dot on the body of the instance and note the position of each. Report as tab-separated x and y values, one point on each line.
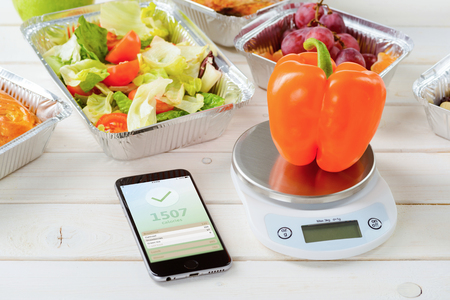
374	223
284	233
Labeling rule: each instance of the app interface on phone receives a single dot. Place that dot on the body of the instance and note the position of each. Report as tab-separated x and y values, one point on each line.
170	218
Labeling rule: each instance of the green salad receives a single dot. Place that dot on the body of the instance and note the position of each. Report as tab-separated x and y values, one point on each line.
125	74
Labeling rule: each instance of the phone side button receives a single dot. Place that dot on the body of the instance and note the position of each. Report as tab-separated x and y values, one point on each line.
191	264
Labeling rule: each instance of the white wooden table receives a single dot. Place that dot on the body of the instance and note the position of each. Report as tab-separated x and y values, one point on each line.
63	234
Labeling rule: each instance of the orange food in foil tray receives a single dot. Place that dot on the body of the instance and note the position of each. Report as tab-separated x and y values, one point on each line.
237	8
15	119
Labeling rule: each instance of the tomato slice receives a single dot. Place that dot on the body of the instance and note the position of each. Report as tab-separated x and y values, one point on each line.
77	90
122	74
126	49
114	122
132	94
111	40
162	107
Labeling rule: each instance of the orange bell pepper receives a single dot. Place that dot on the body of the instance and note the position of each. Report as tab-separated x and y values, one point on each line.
318	111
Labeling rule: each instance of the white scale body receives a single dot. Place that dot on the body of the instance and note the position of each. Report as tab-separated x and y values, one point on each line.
336	226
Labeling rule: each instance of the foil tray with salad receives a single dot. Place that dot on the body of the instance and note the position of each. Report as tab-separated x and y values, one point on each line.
125	75
173	49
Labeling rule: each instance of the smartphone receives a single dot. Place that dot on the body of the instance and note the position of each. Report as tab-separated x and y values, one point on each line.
172	227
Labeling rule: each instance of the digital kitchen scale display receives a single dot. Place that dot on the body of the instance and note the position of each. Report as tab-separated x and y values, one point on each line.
305	212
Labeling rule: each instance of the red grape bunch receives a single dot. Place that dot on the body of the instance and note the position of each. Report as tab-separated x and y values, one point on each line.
312	21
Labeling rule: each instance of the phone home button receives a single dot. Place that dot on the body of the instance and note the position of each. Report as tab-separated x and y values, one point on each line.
191	264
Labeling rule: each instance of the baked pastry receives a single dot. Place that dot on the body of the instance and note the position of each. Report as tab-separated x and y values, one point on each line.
15	118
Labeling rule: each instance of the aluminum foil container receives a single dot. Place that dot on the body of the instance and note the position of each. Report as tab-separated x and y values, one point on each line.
429	89
168	135
46	106
264	35
220	28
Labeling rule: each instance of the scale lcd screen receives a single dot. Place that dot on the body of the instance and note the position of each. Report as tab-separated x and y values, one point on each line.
331	231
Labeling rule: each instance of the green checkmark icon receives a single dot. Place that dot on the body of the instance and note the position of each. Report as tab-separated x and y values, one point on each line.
161	200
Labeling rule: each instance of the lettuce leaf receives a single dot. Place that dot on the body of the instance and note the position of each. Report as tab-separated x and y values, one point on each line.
191	104
142	110
209	78
65	54
150	76
55	63
162	54
212	100
68	52
97	106
176	91
120	17
92	40
81	100
85	73
146	43
177	67
171	114
193	53
56	34
191	85
122	101
103	88
194	56
91	79
155	21
174	94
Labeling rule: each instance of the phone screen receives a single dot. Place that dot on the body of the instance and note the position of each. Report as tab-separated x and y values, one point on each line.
170	218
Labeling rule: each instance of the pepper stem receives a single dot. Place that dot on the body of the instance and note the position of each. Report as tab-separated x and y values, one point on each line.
323	56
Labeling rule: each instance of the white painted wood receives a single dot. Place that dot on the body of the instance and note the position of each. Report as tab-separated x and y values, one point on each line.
245	280
79	178
397	13
101	232
17	48
90	178
8	15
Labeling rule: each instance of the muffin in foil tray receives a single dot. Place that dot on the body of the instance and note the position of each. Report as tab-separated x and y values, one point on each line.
264	34
218	26
194	128
430	89
48	108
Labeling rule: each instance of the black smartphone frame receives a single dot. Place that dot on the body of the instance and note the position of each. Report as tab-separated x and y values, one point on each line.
200	264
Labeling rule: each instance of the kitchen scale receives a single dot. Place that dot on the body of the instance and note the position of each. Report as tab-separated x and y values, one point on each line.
308	213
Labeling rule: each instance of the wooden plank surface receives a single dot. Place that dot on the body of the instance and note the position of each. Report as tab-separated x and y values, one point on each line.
245	280
100	232
414	178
